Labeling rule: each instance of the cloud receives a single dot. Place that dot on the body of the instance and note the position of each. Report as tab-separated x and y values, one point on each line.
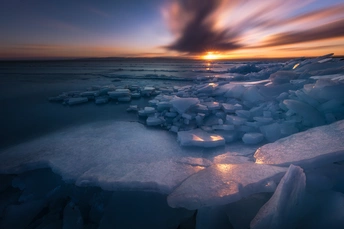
327	31
227	25
193	21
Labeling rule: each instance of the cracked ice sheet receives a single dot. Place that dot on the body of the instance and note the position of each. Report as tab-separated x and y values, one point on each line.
311	148
112	155
221	184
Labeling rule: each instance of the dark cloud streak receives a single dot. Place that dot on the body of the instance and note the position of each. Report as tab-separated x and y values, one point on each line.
199	35
327	31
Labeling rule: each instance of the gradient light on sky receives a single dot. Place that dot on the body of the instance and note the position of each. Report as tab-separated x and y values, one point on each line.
32	29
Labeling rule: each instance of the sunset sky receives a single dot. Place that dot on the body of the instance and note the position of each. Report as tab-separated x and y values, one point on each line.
41	29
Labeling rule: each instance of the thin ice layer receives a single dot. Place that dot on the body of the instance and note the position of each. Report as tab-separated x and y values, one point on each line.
314	147
112	155
225	183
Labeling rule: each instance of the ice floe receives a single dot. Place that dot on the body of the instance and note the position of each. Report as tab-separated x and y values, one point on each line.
313	147
225	183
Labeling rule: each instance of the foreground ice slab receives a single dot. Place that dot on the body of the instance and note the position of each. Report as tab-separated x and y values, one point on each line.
111	155
198	137
225	183
284	209
316	146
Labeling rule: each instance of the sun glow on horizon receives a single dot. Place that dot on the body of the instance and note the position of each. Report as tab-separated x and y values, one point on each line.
212	56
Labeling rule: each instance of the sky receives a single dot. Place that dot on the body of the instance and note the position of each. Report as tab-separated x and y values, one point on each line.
54	29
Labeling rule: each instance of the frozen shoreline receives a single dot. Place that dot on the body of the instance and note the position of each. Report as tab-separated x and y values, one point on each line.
235	118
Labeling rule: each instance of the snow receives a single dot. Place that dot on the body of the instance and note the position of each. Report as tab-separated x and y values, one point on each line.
225	183
313	147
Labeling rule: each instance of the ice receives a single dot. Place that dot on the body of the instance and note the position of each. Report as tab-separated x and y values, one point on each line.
282	77
212	217
285	208
252	95
119	93
311	116
235	91
72	218
212	105
314	147
124	99
181	105
325	211
252	138
198	137
154	121
271	132
111	155
89	94
235	120
20	216
221	184
102	100
74	101
230	108
147	111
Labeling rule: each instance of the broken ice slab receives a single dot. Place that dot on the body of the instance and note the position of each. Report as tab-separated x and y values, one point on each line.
311	116
235	120
285	208
212	105
124	99
136	95
181	105
312	148
119	93
221	184
235	91
164	105
147	111
132	108
89	94
74	101
198	137
252	138
154	121
101	100
230	108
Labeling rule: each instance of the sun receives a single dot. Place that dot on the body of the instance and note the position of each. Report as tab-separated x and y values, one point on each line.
211	56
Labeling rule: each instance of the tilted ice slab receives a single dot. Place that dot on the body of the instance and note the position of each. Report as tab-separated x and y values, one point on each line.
183	104
112	155
221	184
284	209
314	147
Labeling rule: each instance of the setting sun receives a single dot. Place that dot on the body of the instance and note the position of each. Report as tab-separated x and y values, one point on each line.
212	56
